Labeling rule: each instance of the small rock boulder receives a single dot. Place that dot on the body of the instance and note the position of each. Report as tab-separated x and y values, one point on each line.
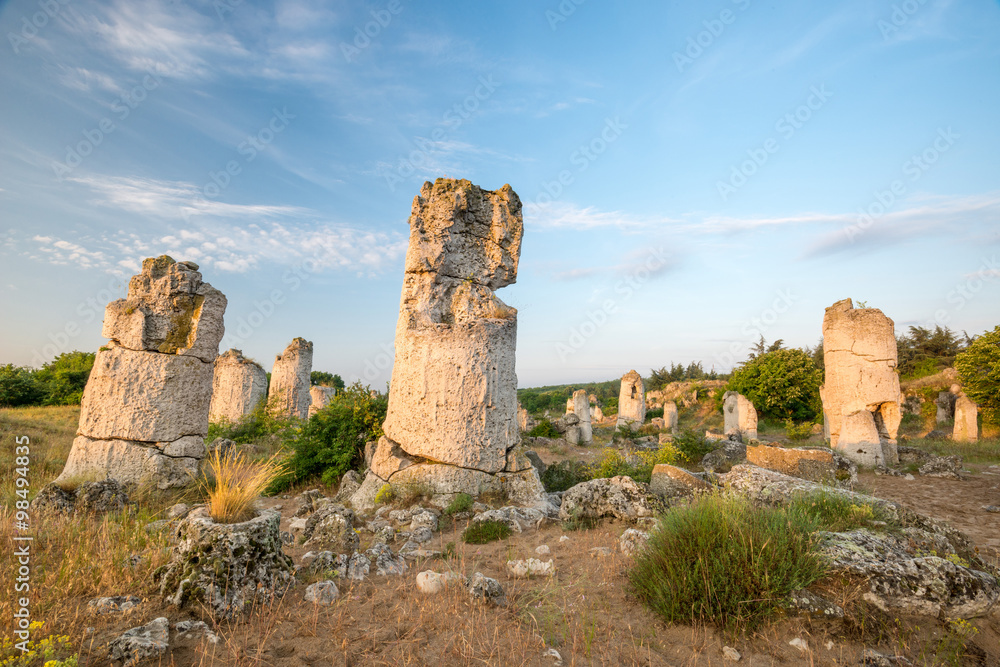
531	567
943	466
632	540
487	590
143	643
672	482
619	497
430	582
518	519
331	526
729	453
813	463
322	593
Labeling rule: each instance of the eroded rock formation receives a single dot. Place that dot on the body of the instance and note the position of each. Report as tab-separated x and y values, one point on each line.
452	418
670	416
631	401
581	407
739	416
238	386
290	379
144	413
966	420
861	392
320	397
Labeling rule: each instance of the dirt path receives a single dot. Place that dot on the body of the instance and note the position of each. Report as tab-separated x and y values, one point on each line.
959	502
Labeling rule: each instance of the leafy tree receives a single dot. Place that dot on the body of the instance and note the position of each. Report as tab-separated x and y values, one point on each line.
65	377
783	384
979	368
19	386
923	351
326	380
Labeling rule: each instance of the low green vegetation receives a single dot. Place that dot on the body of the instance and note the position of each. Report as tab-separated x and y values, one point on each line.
565	475
836	512
639	466
798	431
263	421
483	532
692	446
544	429
462	502
725	561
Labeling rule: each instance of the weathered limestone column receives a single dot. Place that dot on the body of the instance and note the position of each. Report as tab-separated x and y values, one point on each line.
238	386
966	420
570	406
144	413
739	416
670	416
861	392
596	414
290	379
320	397
631	401
452	418
522	418
581	407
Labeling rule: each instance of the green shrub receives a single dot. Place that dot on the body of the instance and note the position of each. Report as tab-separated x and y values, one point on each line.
564	475
19	386
544	429
576	521
482	532
653	413
722	560
800	432
263	421
836	512
692	446
333	440
385	495
462	502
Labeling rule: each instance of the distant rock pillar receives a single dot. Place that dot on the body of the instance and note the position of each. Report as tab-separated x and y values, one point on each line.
290	379
631	401
238	386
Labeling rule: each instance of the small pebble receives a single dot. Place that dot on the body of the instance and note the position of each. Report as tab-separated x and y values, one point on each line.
800	644
543	550
729	653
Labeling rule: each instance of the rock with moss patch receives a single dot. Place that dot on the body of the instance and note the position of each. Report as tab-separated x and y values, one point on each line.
147	642
89	497
619	497
331	527
226	567
949	467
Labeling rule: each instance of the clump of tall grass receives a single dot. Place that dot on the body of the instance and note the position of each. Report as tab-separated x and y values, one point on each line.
836	512
234	483
723	560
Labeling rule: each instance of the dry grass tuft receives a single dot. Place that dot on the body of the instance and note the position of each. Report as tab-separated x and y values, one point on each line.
235	483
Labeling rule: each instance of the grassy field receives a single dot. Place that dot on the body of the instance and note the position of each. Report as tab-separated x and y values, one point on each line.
50	432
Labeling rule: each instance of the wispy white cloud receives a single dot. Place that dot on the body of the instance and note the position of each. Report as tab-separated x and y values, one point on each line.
564	215
223	236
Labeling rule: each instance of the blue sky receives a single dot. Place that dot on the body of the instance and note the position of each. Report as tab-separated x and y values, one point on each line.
693	174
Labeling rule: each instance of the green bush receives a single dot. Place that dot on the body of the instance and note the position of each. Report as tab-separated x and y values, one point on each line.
462	502
722	560
564	475
800	432
783	384
692	446
544	429
482	532
263	421
835	512
653	413
979	368
59	382
333	440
